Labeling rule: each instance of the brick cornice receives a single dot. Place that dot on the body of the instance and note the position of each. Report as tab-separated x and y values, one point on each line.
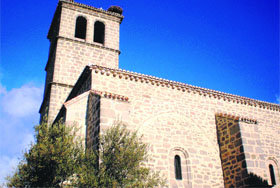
110	95
103	94
123	74
243	119
93	9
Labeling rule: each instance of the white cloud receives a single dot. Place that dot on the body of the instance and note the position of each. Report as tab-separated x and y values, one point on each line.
2	90
7	167
19	113
8	162
21	102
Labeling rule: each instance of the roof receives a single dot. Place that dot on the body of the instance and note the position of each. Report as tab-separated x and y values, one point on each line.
119	73
93	8
159	82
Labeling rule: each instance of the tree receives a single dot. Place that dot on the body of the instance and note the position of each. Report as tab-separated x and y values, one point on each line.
120	162
51	160
57	159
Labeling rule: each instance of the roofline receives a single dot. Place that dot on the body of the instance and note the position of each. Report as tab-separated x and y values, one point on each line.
93	8
184	87
120	73
59	5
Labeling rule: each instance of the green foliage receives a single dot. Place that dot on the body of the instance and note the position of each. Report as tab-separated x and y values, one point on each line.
57	159
121	160
51	160
87	170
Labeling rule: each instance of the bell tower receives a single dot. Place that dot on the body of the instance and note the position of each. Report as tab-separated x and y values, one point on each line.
79	35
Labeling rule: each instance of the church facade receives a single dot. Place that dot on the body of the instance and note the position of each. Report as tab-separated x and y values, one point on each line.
198	137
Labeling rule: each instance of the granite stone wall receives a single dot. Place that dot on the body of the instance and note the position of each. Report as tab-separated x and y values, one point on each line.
231	151
170	116
93	121
69	55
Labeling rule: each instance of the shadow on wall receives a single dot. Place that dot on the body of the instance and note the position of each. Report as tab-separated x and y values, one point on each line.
256	181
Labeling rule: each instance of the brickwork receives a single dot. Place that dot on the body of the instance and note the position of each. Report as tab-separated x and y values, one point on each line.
170	117
93	121
177	122
58	95
231	151
261	146
76	114
69	55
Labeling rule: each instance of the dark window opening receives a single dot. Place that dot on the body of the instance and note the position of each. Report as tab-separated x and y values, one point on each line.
81	28
99	32
178	170
272	175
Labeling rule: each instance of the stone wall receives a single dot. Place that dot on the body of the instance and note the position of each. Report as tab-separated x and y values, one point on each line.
262	146
70	11
173	117
93	121
69	55
231	151
76	112
58	94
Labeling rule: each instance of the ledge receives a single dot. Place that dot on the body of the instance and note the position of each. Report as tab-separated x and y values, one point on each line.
93	8
89	44
243	119
123	74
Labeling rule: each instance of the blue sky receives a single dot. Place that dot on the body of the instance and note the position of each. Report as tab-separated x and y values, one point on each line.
230	46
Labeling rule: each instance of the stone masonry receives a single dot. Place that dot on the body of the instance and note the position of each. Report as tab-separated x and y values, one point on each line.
69	55
231	151
219	137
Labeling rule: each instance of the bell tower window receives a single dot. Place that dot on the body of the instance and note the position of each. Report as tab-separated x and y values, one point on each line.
81	27
99	32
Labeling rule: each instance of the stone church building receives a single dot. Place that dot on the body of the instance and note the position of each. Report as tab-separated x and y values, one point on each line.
198	137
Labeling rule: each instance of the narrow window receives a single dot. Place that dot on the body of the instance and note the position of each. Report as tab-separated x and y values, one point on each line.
272	175
81	27
178	170
99	31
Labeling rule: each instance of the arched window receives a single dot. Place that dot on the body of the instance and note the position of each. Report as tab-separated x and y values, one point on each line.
272	175
81	27
99	32
178	169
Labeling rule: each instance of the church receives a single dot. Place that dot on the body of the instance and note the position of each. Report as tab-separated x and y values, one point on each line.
198	137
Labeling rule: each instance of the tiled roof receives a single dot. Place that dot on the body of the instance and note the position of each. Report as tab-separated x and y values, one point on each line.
93	8
123	74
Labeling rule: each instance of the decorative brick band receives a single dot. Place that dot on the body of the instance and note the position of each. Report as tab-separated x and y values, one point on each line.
123	74
104	94
109	95
248	120
93	8
243	119
89	44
